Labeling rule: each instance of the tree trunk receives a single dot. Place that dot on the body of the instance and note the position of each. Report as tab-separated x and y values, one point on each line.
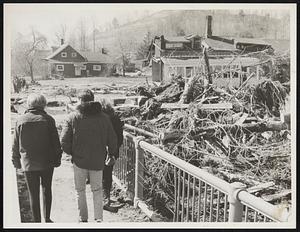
31	72
123	70
207	66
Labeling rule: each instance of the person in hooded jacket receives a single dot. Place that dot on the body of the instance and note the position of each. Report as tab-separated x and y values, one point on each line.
108	167
36	149
87	135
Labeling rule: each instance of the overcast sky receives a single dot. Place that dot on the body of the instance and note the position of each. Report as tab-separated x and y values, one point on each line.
47	17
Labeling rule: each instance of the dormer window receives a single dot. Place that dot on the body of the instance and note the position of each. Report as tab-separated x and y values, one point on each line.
74	54
63	54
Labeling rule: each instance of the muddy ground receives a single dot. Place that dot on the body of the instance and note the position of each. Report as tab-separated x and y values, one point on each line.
64	206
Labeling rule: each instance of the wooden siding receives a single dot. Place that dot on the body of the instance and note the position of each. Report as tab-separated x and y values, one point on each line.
106	70
156	71
69	50
68	70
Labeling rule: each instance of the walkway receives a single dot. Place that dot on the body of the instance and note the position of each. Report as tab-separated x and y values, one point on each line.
64	206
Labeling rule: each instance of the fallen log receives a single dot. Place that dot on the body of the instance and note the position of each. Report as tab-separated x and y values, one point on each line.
241	120
247	127
276	196
169	136
209	131
216	106
188	88
260	187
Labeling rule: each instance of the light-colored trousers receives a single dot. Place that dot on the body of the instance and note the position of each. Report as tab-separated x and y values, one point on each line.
95	176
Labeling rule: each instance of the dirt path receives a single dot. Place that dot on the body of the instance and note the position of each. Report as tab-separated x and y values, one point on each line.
64	206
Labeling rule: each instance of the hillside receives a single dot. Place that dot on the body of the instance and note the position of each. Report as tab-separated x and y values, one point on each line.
169	22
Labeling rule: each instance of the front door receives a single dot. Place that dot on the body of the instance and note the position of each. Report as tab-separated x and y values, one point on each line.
77	71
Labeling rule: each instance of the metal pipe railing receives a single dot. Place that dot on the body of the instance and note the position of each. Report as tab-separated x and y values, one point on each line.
279	214
198	195
187	167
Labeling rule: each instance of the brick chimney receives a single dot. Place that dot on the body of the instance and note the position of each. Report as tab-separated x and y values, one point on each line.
208	30
61	41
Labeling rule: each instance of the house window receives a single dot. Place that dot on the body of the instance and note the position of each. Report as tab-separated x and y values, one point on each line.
63	54
189	71
197	44
97	67
74	54
174	45
59	67
83	67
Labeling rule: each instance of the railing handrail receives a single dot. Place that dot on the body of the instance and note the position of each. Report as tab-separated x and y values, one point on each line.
187	167
273	212
276	213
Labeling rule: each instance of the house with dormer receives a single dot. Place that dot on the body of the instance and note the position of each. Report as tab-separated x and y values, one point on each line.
65	61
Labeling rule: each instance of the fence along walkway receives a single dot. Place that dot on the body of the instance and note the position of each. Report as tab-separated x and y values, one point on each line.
197	196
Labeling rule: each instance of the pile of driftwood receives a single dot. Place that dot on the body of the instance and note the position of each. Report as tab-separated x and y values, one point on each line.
239	134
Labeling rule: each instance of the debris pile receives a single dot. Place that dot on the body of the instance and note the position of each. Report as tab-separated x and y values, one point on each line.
238	134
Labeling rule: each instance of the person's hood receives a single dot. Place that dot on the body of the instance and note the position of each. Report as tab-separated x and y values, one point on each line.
35	111
89	108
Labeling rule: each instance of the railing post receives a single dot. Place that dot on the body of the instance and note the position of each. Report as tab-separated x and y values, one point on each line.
139	171
235	206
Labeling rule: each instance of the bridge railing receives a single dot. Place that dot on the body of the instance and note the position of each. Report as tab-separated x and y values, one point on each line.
194	194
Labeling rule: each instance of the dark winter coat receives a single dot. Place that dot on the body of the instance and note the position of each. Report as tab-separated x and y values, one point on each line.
118	128
86	134
36	142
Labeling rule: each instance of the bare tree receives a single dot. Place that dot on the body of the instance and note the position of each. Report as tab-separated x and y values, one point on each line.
124	45
94	33
83	34
72	39
26	51
115	23
61	32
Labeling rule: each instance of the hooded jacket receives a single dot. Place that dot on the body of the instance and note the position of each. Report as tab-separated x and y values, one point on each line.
86	135
36	142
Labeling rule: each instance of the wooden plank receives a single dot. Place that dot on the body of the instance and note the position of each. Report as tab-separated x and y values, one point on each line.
216	106
260	187
126	106
242	119
276	196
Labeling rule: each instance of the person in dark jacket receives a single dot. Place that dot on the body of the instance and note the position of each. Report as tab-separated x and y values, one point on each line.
107	172
86	135
36	149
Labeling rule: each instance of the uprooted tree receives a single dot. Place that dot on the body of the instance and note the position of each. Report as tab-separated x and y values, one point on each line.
237	134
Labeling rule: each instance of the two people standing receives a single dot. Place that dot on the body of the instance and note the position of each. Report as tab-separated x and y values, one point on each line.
88	135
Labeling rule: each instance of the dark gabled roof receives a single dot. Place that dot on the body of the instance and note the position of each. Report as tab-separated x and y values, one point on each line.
249	41
61	48
97	57
177	39
219	45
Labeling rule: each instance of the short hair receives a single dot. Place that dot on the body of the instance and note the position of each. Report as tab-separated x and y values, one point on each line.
86	95
107	107
36	100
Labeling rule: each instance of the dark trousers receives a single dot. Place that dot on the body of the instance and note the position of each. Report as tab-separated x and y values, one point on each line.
107	180
33	180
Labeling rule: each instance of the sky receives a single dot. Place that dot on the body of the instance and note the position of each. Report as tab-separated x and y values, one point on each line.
46	18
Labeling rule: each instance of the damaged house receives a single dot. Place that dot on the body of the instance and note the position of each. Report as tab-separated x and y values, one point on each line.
65	61
183	55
